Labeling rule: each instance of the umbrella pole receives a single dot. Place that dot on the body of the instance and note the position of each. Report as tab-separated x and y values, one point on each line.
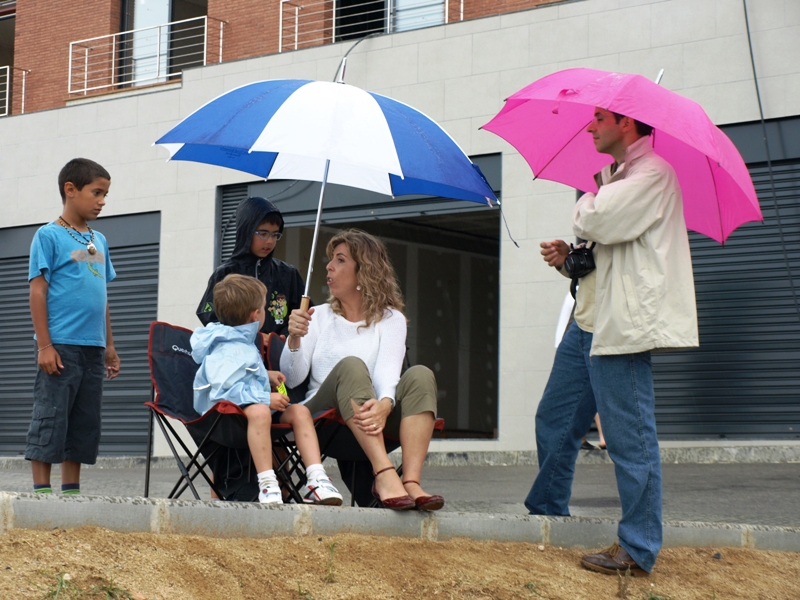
305	302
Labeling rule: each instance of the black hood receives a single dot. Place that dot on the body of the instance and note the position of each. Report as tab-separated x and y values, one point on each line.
249	215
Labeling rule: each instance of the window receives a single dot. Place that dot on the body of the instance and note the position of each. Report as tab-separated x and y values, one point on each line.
358	18
7	21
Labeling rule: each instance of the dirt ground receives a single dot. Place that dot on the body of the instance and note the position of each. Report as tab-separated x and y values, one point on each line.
97	563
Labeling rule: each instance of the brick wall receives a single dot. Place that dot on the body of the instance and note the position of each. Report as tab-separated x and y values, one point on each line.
251	27
475	9
43	32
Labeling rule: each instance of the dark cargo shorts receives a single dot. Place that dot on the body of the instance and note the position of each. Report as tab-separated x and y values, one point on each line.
66	408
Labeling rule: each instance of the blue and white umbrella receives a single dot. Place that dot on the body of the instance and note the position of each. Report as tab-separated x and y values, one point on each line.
328	132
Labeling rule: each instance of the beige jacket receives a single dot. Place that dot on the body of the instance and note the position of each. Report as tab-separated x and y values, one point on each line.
644	288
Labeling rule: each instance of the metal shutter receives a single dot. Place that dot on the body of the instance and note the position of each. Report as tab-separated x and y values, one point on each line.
743	380
133	297
17	362
232	195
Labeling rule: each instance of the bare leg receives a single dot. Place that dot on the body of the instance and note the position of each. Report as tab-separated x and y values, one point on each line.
305	436
415	437
70	472
41	472
599	430
211	490
387	483
259	422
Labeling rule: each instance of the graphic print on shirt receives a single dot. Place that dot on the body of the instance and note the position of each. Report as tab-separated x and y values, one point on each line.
278	307
84	256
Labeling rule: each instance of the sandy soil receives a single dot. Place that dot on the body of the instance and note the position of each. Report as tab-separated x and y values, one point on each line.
97	563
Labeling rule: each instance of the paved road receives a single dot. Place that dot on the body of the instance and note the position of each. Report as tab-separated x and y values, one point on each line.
754	494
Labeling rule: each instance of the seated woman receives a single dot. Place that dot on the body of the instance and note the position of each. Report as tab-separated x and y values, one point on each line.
353	346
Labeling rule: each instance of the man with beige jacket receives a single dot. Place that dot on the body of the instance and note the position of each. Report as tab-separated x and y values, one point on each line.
639	298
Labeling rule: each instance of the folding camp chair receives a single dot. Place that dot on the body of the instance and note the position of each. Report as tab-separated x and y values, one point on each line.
221	431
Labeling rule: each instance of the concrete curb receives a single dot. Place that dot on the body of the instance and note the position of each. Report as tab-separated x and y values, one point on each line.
671	453
239	519
712	454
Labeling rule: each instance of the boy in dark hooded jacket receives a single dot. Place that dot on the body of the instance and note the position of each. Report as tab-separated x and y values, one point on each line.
259	226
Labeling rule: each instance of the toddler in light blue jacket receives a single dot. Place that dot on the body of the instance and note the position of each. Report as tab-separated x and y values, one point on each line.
231	368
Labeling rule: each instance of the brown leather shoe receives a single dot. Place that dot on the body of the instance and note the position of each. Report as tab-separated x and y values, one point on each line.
612	561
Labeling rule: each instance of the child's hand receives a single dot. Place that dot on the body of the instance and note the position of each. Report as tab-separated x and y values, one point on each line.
112	362
49	361
278	401
276	378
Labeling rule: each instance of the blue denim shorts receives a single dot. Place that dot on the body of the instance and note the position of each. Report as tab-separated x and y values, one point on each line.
67	408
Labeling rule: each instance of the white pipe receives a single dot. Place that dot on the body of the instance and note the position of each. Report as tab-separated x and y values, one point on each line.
205	39
24	76
69	72
296	24
158	53
221	27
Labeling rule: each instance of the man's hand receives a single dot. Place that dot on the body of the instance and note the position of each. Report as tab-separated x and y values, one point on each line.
555	252
50	361
371	416
112	362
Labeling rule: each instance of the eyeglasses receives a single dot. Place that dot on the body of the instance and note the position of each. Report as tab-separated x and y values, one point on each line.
265	235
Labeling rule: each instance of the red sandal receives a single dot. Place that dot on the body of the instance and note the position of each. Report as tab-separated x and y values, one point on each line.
400	503
434	502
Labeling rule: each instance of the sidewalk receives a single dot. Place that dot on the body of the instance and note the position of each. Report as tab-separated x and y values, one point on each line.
703	504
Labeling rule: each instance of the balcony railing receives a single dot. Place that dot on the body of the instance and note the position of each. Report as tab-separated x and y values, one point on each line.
307	23
5	89
142	56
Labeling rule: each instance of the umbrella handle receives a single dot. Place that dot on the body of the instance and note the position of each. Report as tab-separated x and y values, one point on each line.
305	302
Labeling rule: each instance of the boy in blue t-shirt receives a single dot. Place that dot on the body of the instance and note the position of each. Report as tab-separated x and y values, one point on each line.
69	270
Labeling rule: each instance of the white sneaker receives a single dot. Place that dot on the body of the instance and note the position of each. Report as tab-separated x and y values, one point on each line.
320	490
270	492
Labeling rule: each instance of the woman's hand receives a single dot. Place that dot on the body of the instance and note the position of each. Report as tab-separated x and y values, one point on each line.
278	401
371	416
298	326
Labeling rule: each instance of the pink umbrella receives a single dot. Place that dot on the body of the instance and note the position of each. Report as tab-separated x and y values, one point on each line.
546	122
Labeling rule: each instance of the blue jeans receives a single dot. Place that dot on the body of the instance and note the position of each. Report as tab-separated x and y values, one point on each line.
620	388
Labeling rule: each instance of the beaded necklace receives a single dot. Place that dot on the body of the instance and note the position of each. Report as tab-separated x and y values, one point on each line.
81	240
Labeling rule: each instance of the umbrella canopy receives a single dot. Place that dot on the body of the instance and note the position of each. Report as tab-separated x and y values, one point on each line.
546	122
290	129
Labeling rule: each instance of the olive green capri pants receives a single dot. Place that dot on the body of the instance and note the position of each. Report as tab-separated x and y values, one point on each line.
416	392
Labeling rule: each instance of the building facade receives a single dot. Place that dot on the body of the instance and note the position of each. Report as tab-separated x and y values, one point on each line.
482	310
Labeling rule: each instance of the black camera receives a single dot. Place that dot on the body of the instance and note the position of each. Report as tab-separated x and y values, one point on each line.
580	261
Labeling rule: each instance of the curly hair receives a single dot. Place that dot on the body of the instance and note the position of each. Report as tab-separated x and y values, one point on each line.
374	272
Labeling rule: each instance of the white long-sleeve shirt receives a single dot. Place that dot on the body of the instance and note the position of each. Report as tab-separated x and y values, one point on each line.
331	338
